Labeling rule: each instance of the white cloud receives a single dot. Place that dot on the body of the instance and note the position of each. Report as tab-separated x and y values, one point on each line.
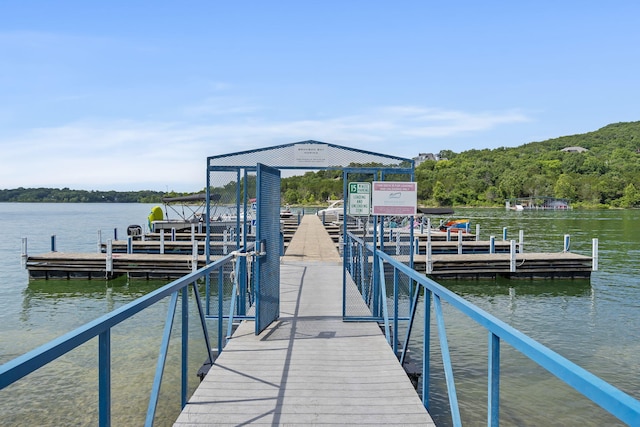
154	155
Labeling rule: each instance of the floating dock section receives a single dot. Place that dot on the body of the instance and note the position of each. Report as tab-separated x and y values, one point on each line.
145	257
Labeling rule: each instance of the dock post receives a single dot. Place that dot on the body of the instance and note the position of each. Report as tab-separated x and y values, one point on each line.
24	252
521	241
459	242
477	232
567	243
194	256
224	242
129	244
109	266
115	234
429	266
492	244
504	233
594	255
53	243
512	257
421	227
162	241
448	234
416	245
173	234
193	232
99	241
199	228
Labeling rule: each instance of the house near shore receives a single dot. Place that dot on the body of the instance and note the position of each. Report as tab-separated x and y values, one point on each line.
425	156
574	150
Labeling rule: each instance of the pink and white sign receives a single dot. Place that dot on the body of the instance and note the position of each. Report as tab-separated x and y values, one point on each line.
394	198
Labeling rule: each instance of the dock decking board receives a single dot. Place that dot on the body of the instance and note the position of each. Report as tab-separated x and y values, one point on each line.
309	367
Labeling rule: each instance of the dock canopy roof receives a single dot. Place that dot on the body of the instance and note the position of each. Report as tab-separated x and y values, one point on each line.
309	155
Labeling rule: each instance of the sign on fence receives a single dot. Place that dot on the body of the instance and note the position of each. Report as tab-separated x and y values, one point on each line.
394	198
359	199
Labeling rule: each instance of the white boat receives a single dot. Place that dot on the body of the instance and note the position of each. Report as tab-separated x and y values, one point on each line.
190	210
333	212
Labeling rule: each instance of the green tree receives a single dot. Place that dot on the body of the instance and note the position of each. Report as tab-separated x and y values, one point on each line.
564	187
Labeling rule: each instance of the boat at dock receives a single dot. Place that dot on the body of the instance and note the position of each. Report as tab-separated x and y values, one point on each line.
188	211
537	203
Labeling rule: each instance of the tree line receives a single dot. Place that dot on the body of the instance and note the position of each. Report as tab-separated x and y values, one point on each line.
606	174
66	195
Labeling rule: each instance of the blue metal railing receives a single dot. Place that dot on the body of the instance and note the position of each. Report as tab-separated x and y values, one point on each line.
615	401
20	367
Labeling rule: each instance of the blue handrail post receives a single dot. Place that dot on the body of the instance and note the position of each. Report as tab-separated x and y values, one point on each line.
395	311
104	378
185	347
242	286
220	308
426	348
494	381
446	362
383	302
375	274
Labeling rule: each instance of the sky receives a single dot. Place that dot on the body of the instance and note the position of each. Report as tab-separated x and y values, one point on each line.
134	95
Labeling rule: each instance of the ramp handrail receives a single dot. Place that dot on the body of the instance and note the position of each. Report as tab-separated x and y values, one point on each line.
616	402
21	366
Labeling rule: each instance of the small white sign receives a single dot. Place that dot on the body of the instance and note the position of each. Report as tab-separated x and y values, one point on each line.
394	198
310	155
359	199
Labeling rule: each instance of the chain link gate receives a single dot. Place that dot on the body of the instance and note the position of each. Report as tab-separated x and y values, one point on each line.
231	188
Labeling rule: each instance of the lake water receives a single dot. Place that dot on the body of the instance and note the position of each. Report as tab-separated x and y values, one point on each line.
593	323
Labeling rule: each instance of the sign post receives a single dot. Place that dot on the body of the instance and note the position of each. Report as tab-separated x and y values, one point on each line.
359	203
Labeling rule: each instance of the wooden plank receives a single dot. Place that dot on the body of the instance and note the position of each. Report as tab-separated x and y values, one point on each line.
309	367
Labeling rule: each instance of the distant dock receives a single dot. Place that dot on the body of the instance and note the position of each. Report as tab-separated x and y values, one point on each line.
438	255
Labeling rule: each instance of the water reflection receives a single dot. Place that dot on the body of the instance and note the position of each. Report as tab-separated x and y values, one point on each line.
513	288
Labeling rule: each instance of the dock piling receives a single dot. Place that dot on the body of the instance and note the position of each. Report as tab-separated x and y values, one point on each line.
109	260
521	241
24	252
512	257
194	256
594	255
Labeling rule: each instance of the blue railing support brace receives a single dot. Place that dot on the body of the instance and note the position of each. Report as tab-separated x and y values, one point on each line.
162	358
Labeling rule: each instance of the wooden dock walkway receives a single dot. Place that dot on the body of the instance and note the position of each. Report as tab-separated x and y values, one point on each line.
309	367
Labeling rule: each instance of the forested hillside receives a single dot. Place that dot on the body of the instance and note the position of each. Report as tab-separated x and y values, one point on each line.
607	174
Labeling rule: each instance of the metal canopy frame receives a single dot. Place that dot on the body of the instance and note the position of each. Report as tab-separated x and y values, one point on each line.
307	155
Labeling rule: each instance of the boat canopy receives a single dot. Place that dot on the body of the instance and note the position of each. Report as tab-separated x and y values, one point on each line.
190	198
